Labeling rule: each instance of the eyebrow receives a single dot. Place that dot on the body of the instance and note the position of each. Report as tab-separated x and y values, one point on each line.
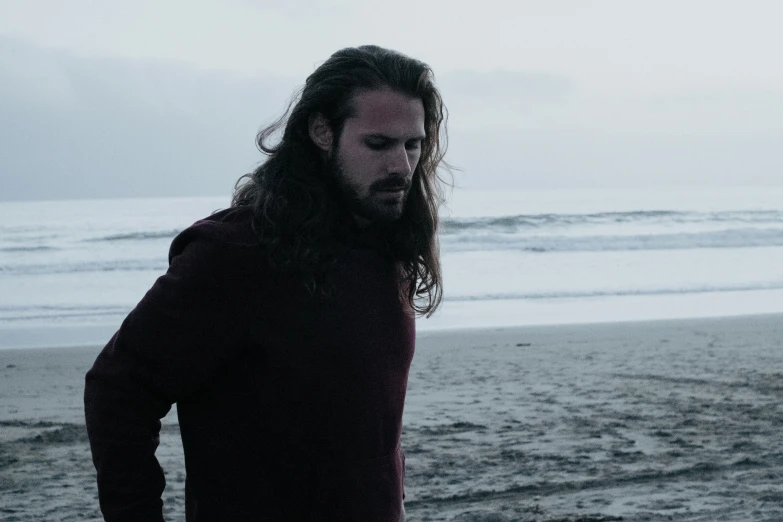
385	137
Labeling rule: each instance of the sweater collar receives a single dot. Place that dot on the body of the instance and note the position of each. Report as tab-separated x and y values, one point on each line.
351	235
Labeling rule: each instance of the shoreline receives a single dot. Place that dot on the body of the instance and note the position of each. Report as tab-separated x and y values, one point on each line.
102	333
663	322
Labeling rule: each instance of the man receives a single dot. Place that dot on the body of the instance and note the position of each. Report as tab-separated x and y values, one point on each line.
284	326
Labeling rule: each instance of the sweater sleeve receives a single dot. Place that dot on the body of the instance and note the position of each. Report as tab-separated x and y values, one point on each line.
192	321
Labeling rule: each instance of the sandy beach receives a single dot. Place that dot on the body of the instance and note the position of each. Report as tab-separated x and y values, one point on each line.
661	420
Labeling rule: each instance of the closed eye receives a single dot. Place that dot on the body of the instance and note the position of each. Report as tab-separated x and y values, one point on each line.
381	142
377	145
413	145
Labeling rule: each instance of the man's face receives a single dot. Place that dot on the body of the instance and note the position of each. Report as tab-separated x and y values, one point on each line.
377	153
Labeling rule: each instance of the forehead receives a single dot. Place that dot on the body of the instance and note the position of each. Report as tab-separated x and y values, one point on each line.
387	112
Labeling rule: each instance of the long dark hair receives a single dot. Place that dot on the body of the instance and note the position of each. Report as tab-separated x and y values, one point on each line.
295	211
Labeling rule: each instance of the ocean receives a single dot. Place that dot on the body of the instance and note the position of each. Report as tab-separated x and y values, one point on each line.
70	271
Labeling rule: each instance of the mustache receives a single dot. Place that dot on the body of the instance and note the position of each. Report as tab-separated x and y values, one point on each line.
391	184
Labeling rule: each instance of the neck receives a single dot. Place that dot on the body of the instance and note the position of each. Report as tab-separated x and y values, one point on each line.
361	222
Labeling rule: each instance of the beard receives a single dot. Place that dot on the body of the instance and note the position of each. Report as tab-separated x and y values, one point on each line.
373	206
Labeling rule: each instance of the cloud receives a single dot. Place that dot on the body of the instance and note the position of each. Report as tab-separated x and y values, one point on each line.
504	99
80	127
494	159
95	127
502	84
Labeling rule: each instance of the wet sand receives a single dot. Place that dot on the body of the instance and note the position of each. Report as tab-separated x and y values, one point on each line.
663	420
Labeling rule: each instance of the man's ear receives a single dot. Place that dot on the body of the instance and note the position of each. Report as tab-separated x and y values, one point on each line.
321	132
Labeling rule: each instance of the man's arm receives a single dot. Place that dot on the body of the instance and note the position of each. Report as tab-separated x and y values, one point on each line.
191	322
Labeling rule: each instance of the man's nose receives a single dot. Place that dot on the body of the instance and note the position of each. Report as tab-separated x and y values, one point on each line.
399	163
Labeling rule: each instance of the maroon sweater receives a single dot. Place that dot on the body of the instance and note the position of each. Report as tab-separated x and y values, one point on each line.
289	409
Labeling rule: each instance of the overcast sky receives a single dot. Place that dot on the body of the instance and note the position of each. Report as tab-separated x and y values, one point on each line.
163	98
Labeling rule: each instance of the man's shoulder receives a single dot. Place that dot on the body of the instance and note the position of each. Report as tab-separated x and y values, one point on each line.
227	232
